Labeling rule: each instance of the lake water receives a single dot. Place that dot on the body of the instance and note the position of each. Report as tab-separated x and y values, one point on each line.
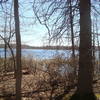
39	53
42	53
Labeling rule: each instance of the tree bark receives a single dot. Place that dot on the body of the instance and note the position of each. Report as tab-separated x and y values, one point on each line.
85	74
18	51
71	26
85	51
72	38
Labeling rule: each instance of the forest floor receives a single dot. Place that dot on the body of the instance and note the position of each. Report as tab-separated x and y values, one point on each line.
41	79
31	83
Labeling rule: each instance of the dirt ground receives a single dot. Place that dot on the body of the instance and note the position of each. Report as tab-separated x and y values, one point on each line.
30	82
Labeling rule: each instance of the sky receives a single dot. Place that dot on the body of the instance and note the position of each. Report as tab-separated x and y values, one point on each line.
32	33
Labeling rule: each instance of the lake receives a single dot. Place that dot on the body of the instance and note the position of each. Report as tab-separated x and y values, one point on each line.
42	53
39	53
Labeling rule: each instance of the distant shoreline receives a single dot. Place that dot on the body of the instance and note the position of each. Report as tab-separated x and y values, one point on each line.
45	47
41	47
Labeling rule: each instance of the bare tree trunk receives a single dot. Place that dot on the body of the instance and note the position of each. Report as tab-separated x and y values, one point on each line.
85	75
5	46
93	48
71	26
98	43
85	56
18	52
5	56
72	37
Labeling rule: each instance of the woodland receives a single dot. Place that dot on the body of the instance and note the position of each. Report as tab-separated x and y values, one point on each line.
70	23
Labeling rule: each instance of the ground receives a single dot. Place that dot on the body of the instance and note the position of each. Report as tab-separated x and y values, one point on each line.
32	82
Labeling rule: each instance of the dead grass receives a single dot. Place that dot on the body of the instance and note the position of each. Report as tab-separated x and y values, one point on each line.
37	75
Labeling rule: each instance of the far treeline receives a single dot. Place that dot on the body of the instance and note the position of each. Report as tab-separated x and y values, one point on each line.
41	47
46	47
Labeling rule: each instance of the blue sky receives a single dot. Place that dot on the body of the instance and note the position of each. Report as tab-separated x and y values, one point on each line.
32	33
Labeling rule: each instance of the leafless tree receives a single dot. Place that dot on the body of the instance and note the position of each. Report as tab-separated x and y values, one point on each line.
8	30
60	18
18	51
55	16
46	12
85	75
